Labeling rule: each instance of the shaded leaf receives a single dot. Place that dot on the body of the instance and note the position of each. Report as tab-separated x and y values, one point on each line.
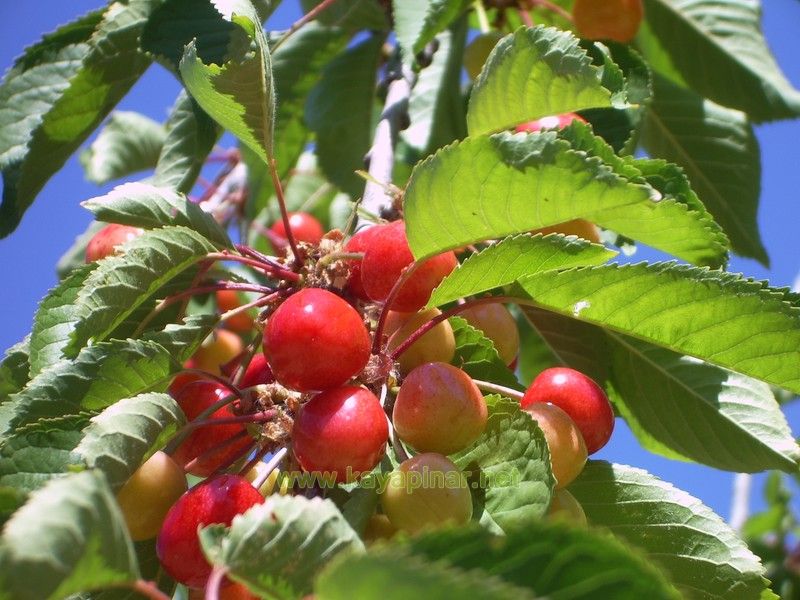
477	356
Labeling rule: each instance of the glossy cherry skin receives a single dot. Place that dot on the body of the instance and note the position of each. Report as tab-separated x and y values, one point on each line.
359	243
498	325
149	493
193	400
220	348
437	345
183	379
217	500
439	409
553	122
341	431
579	227
476	53
426	491
564	439
580	397
315	341
228	300
304	226
616	20
257	372
106	241
386	257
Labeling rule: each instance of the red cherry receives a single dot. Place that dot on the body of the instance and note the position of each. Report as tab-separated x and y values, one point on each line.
304	227
315	341
580	397
217	500
257	372
554	122
341	431
229	300
385	259
105	242
193	400
359	243
184	379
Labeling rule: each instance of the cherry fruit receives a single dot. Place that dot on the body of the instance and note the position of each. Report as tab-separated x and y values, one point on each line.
149	493
208	444
580	397
564	507
106	241
342	432
387	255
564	439
359	243
579	227
216	500
425	491
439	409
498	325
616	20
304	226
437	345
552	122
315	341
218	349
228	300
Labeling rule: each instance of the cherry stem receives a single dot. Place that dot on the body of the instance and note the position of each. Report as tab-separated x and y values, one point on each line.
217	378
247	358
262	452
334	256
263	258
525	16
272	464
201	273
180	435
272	270
245	307
309	16
149	589
233	160
425	328
215	449
214	583
276	181
488	386
405	276
399	450
260	417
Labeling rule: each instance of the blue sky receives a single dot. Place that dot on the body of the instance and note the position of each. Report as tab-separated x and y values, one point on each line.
28	257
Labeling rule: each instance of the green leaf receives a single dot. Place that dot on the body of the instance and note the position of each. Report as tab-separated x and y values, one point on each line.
296	70
75	256
531	74
392	574
436	107
123	436
722	318
339	110
239	95
120	284
418	22
59	92
701	554
148	206
190	136
177	23
129	142
622	66
509	467
503	263
554	560
725	420
728	37
181	340
286	540
490	187
718	150
55	320
100	376
477	356
68	538
14	369
351	14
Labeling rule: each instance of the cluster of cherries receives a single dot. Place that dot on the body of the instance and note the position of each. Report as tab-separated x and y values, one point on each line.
342	371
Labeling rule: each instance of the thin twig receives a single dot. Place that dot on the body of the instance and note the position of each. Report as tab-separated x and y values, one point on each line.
271	465
214	583
551	6
149	589
309	16
494	388
276	182
404	277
